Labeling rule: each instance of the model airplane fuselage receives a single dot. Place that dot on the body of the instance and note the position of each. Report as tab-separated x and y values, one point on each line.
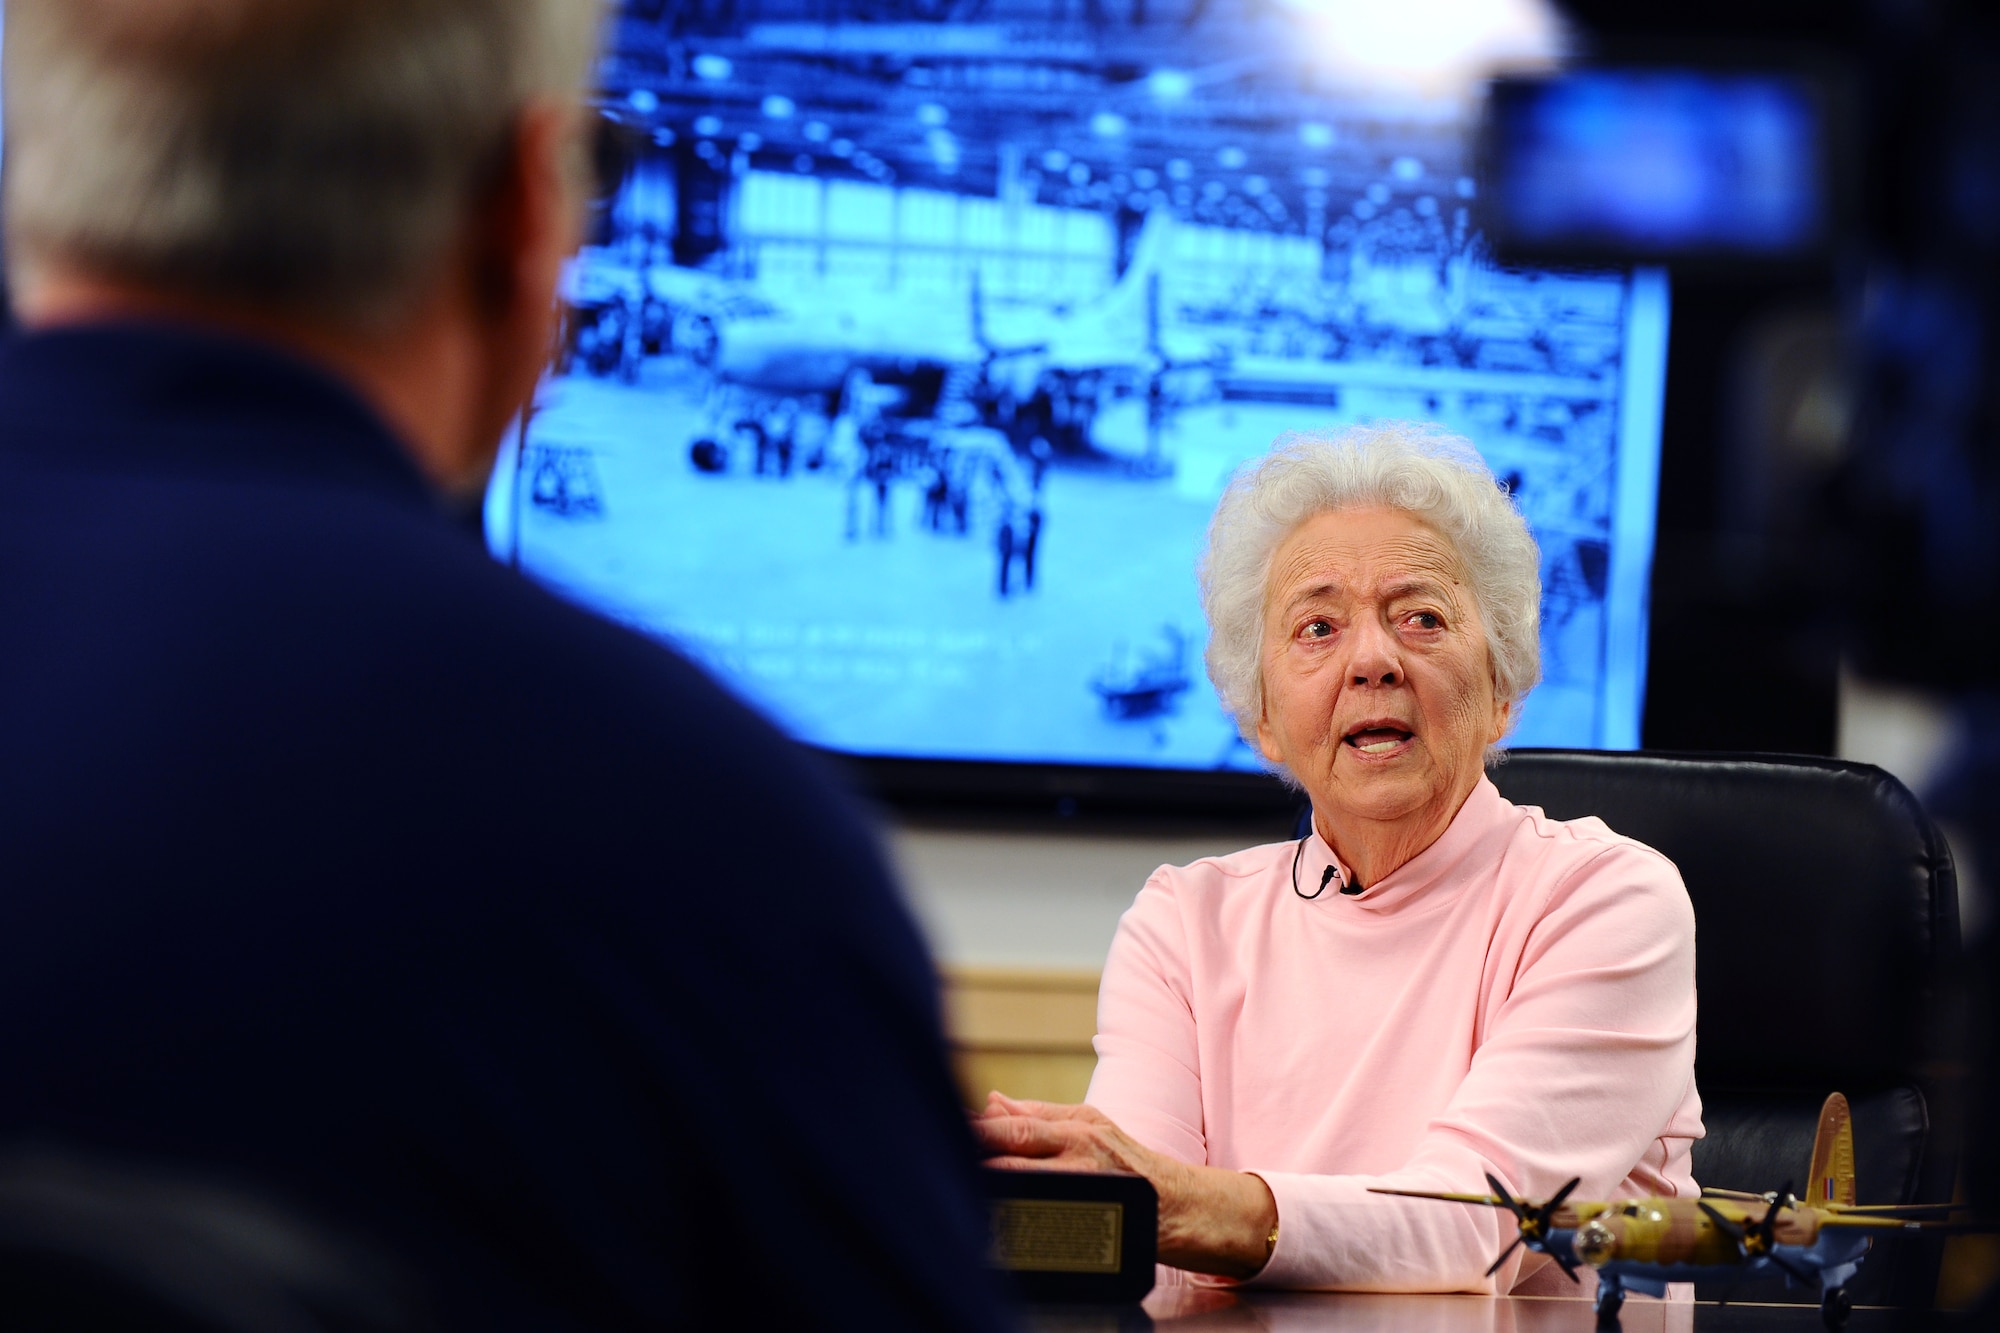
1643	1244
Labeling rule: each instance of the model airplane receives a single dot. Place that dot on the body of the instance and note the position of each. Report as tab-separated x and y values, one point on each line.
1643	1244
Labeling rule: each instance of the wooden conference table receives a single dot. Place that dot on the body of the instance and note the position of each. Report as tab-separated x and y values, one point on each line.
1183	1311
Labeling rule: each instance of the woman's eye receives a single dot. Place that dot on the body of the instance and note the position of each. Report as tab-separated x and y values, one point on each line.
1317	629
1426	620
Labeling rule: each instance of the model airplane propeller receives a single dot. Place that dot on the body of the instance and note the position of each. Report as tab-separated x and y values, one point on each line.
1759	1239
1536	1223
1643	1244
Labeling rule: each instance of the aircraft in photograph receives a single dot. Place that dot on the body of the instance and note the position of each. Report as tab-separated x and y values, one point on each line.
615	314
806	348
1122	329
621	313
1726	1235
813	344
1110	372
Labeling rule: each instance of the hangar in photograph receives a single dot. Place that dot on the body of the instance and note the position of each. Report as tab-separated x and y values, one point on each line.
916	339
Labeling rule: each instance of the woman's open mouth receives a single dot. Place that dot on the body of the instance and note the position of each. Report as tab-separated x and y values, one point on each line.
1377	739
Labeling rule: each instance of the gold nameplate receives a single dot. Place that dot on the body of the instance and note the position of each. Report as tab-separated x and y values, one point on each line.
1057	1235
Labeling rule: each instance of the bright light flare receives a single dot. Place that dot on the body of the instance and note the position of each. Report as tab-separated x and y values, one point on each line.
712	68
1442	47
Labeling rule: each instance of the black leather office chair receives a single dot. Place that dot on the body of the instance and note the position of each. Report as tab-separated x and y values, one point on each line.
1826	935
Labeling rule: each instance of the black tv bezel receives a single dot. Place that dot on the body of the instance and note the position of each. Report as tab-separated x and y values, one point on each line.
958	787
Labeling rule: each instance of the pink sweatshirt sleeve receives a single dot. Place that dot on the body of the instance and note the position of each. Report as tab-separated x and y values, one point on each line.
1148	1076
1581	1062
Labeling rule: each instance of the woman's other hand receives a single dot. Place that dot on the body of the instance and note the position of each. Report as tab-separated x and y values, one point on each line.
1049	1136
1211	1220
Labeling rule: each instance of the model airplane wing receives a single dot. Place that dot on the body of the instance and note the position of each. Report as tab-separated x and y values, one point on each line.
1911	1211
1525	1209
1491	1201
1847	1221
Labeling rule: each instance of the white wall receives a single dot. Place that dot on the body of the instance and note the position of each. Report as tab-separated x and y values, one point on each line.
1034	899
1913	735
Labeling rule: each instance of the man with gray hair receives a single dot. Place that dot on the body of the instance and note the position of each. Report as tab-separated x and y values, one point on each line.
340	864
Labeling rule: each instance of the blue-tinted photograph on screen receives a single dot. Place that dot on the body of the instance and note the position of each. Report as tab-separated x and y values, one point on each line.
912	349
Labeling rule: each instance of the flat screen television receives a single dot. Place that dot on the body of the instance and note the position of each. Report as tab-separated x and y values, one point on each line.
908	357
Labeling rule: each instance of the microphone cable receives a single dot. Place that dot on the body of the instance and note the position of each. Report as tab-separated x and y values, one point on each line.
1326	877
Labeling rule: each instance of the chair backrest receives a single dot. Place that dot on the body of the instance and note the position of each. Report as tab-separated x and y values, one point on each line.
1826	929
88	1243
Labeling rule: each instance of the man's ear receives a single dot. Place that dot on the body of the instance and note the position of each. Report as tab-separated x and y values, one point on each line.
531	219
518	234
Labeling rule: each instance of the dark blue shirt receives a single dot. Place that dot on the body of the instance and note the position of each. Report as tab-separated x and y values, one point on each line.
339	861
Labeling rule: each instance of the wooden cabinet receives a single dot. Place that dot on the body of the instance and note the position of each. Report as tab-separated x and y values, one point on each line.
1025	1031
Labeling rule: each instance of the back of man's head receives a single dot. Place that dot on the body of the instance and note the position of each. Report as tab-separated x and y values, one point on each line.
308	157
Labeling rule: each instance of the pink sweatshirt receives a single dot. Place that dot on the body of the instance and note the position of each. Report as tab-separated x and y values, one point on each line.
1517	999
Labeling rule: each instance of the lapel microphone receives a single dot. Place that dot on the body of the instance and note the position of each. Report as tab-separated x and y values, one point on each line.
1326	876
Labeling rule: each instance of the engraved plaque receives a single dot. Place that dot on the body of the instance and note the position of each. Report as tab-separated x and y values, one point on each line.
1074	1237
1057	1235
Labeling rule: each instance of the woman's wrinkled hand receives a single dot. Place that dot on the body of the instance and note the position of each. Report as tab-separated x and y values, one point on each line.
1211	1220
1048	1136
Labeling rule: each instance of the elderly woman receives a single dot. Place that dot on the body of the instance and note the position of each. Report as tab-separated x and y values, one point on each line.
1434	984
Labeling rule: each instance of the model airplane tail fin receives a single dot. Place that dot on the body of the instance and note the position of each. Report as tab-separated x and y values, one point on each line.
1832	1178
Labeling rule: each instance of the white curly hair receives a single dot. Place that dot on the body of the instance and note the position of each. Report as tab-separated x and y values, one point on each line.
1416	467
